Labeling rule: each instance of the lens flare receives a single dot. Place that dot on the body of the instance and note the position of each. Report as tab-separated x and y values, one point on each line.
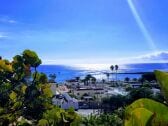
144	29
142	26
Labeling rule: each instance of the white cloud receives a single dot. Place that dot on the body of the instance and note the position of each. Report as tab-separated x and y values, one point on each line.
161	56
157	57
2	35
6	19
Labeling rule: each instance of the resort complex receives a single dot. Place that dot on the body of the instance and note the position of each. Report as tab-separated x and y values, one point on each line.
78	94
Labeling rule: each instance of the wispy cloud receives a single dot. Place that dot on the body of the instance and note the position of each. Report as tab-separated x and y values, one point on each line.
156	57
6	19
3	35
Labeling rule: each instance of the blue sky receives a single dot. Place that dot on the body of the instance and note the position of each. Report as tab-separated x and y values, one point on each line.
83	31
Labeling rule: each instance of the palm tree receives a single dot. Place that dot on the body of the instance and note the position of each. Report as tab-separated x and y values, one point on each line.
112	69
93	80
127	79
84	81
87	78
116	69
77	79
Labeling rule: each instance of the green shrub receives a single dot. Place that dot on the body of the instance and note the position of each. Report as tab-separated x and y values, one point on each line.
145	112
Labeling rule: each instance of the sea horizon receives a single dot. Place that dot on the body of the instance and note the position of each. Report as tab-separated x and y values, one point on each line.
67	72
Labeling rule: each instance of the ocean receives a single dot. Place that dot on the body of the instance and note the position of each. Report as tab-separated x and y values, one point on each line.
65	72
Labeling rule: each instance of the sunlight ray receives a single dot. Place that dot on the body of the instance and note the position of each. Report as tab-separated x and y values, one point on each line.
142	26
143	29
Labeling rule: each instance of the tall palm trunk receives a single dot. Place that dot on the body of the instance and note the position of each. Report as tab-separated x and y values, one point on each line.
116	77
116	68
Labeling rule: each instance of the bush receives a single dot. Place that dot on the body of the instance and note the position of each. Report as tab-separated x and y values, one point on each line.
149	112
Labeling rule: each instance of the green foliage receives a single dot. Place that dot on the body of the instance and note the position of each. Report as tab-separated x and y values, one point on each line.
102	120
1	110
113	102
23	122
139	117
90	120
156	110
59	117
137	93
162	78
23	92
13	96
16	105
5	66
31	58
23	89
127	79
158	97
144	112
46	91
41	78
149	77
43	122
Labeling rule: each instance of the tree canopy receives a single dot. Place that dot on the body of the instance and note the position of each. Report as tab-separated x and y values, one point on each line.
23	92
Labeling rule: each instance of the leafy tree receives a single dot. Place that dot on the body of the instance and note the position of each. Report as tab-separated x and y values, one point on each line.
23	92
112	103
77	79
25	95
60	117
112	69
127	79
137	93
158	97
88	79
135	79
148	77
93	80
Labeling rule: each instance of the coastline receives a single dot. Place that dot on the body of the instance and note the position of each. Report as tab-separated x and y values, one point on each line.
64	73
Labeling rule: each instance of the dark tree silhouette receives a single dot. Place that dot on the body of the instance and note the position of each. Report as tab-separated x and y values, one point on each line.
116	69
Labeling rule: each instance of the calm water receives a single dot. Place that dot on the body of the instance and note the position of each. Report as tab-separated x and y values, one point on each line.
69	72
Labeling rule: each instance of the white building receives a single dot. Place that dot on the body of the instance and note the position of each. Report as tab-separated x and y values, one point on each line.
61	98
65	101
